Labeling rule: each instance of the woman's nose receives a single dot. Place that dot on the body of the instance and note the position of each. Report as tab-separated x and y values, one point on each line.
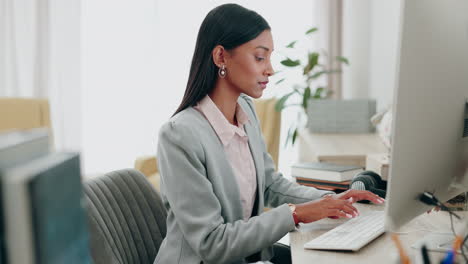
269	70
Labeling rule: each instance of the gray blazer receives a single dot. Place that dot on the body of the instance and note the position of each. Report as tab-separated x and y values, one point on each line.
201	195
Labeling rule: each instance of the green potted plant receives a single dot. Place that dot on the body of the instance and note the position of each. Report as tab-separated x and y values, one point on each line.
311	69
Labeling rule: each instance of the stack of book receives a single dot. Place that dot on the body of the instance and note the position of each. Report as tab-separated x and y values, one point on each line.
325	176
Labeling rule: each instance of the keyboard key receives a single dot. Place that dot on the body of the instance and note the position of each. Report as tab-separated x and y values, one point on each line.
351	235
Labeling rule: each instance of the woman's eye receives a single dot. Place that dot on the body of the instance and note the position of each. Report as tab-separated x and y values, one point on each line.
259	58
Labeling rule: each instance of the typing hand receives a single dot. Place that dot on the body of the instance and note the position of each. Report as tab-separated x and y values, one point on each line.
325	207
357	195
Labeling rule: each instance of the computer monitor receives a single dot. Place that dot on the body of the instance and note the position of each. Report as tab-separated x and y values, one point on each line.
42	214
17	147
429	148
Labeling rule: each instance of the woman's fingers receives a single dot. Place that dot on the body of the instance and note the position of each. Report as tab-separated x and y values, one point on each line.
326	207
358	195
366	195
351	209
338	213
344	206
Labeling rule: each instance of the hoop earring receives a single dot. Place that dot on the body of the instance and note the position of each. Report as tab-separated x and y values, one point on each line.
222	72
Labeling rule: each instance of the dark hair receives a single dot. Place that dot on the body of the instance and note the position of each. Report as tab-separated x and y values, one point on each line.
228	25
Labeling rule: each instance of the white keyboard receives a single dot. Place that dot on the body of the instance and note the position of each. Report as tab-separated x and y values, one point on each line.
351	235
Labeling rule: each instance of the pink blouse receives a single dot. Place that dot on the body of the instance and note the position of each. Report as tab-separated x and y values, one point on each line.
236	146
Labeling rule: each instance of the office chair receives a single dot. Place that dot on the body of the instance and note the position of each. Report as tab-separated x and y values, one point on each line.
270	123
24	113
127	219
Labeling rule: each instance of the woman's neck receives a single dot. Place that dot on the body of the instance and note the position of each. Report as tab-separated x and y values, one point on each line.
226	101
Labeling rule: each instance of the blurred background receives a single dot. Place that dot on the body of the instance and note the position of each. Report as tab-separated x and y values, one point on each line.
114	71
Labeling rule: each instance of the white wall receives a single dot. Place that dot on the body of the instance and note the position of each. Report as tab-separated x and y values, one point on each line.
65	65
121	88
385	17
40	57
370	41
136	59
356	44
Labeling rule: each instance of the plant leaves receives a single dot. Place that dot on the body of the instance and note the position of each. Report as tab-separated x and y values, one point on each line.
311	30
313	61
294	136
291	45
288	136
280	81
320	73
318	93
342	59
296	89
290	63
280	103
306	97
316	75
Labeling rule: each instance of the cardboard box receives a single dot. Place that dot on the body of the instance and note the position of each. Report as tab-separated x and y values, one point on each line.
340	116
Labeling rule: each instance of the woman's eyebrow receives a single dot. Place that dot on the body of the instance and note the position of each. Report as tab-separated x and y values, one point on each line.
262	47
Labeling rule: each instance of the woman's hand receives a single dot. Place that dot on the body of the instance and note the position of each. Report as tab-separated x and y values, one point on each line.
357	195
325	207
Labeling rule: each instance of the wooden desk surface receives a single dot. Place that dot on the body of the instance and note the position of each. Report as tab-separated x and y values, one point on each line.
381	250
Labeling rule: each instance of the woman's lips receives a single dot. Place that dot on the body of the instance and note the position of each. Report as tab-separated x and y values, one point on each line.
263	84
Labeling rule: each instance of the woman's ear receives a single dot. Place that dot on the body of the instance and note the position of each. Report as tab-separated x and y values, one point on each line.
218	55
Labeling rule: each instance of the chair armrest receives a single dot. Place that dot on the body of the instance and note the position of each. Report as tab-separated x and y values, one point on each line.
148	165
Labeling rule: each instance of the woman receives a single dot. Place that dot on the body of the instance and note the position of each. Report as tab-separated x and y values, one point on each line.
216	175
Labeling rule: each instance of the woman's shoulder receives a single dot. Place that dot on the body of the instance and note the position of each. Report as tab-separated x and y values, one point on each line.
183	132
185	122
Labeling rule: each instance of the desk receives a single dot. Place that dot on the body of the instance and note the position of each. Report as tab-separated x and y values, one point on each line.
382	250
